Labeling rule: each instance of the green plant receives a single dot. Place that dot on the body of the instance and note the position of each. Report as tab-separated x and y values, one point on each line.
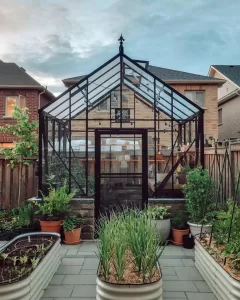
179	219
56	204
26	143
199	194
23	215
71	222
158	212
185	170
129	243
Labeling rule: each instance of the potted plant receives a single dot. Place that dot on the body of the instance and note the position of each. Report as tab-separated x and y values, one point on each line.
160	219
72	229
128	251
179	226
54	207
182	175
199	191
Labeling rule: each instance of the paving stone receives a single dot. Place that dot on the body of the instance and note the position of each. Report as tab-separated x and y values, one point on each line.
75	298
68	270
189	252
188	273
170	262
90	264
188	262
86	254
172	278
179	286
60	291
80	279
57	280
86	291
174	295
201	296
202	287
46	298
72	252
70	261
88	272
168	271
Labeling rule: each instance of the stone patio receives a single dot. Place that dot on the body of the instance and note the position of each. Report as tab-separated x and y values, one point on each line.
76	276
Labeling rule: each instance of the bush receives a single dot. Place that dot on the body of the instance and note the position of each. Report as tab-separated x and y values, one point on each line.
199	194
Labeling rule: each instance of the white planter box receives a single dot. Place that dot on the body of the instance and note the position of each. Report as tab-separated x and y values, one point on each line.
109	291
221	283
32	287
196	228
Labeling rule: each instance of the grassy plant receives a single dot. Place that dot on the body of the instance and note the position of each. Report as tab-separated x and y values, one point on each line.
128	237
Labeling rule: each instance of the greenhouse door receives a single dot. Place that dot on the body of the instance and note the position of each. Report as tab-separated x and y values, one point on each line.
121	177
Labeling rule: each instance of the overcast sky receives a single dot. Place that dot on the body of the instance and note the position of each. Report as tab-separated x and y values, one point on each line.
56	39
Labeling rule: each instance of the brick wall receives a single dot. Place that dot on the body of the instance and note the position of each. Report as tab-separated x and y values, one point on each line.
31	97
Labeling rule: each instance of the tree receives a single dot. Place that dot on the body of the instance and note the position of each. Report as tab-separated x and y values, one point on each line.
25	137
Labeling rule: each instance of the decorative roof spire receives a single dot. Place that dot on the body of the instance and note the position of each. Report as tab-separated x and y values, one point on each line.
121	40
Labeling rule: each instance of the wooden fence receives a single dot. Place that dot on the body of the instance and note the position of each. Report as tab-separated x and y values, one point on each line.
223	165
10	180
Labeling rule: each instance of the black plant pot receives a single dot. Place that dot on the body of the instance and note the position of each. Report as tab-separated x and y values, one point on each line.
188	241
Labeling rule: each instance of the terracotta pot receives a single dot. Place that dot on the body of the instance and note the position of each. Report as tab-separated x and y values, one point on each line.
72	237
178	236
51	226
182	178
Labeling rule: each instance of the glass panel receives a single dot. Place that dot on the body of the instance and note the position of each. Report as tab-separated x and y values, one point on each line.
11	102
22	102
121	171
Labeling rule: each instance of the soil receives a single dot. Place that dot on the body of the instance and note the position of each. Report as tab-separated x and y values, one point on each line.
130	275
217	252
31	249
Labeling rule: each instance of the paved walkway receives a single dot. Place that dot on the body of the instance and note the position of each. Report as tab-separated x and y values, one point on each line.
76	277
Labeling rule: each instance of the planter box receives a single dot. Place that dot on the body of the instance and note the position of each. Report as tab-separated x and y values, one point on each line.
32	287
110	291
221	283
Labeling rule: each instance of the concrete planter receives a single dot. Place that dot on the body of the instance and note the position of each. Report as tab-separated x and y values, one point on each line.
32	287
196	228
221	283
163	227
111	291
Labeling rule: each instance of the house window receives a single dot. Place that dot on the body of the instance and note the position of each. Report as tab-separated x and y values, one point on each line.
13	101
115	101
220	116
196	97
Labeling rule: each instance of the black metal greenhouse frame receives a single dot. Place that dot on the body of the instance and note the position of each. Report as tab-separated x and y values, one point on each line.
55	119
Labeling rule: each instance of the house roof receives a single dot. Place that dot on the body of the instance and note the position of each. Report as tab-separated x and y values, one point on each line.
13	76
230	71
167	75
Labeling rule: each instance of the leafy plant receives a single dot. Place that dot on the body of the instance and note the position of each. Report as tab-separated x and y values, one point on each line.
158	212
185	170
72	222
24	132
56	203
199	194
179	219
23	215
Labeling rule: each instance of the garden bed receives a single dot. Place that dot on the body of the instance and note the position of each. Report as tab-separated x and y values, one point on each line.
27	265
223	279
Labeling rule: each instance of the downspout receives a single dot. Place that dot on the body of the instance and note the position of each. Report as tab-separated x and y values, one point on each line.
39	97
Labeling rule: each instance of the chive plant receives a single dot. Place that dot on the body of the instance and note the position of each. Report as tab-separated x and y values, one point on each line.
128	237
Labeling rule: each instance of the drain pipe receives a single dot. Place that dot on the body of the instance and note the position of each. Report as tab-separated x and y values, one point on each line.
39	97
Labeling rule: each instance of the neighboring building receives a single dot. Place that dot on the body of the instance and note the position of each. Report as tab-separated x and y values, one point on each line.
20	89
202	90
228	100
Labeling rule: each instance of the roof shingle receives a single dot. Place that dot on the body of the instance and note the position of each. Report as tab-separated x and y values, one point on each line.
230	71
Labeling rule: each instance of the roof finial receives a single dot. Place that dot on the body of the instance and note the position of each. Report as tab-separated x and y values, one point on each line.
121	40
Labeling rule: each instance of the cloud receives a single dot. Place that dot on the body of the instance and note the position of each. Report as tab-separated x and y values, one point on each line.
53	39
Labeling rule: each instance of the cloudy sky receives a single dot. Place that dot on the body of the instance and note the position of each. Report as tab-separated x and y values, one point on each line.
56	39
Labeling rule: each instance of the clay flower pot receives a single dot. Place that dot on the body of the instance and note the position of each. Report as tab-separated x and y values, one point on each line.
51	226
177	236
72	237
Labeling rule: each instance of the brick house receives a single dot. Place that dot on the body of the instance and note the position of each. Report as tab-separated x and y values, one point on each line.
18	88
202	90
228	100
